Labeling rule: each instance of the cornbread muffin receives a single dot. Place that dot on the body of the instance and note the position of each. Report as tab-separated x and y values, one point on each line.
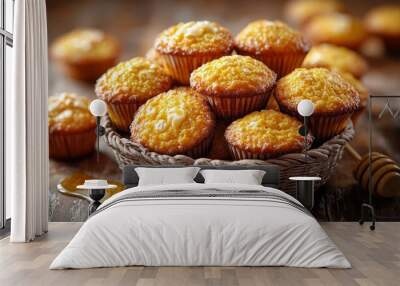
186	46
176	122
234	85
278	46
336	58
263	135
337	29
128	85
384	22
334	99
85	54
152	55
300	12
71	126
362	92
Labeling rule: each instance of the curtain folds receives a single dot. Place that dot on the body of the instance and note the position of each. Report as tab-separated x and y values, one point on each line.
26	124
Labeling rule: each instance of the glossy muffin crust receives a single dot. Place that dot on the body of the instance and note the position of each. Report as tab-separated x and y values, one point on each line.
336	58
338	29
329	92
264	36
232	76
175	122
195	37
69	113
266	132
301	11
135	80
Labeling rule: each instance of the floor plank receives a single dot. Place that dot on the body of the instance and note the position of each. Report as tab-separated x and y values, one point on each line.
375	257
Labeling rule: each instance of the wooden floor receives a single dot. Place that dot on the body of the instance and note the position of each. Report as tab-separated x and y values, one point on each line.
375	257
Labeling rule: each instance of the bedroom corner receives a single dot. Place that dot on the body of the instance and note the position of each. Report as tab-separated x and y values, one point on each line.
199	142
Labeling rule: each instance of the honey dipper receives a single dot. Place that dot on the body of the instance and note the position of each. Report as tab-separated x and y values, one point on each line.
385	173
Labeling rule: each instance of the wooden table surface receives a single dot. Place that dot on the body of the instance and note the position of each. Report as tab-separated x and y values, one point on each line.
136	24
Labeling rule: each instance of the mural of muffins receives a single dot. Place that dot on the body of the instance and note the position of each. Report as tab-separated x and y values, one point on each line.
337	29
85	54
71	126
300	12
334	98
128	85
176	122
336	58
278	46
384	22
263	135
362	92
234	85
186	46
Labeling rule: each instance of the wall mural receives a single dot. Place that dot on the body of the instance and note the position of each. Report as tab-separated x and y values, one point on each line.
195	83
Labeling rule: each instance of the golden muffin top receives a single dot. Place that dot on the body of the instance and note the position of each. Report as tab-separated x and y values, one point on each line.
336	28
173	122
361	89
336	58
153	55
384	19
135	80
69	113
85	45
195	37
301	11
231	76
262	35
266	131
329	92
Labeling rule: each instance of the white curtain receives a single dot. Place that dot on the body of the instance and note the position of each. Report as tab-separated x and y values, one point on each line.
26	124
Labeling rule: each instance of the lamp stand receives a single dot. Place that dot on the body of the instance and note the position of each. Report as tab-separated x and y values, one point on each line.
100	131
305	139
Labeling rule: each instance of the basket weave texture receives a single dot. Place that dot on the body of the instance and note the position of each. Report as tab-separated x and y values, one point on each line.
321	161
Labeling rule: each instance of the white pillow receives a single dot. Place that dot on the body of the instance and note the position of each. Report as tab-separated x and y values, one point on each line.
248	177
164	176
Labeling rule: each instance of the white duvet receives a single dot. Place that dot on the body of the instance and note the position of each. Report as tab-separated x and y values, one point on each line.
200	231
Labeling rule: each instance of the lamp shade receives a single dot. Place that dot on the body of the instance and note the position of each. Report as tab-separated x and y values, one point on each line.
98	107
305	107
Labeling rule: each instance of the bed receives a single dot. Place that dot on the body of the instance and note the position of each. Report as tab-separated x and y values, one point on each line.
201	224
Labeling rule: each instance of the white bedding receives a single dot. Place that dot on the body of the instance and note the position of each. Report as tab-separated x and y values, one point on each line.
200	231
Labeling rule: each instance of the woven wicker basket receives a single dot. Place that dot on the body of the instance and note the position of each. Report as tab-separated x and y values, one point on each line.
320	162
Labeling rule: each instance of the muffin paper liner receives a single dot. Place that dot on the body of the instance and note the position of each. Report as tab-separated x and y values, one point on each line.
281	63
180	67
87	71
121	114
229	108
202	149
70	146
323	127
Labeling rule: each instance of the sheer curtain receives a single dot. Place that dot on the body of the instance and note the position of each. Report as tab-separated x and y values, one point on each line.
26	124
